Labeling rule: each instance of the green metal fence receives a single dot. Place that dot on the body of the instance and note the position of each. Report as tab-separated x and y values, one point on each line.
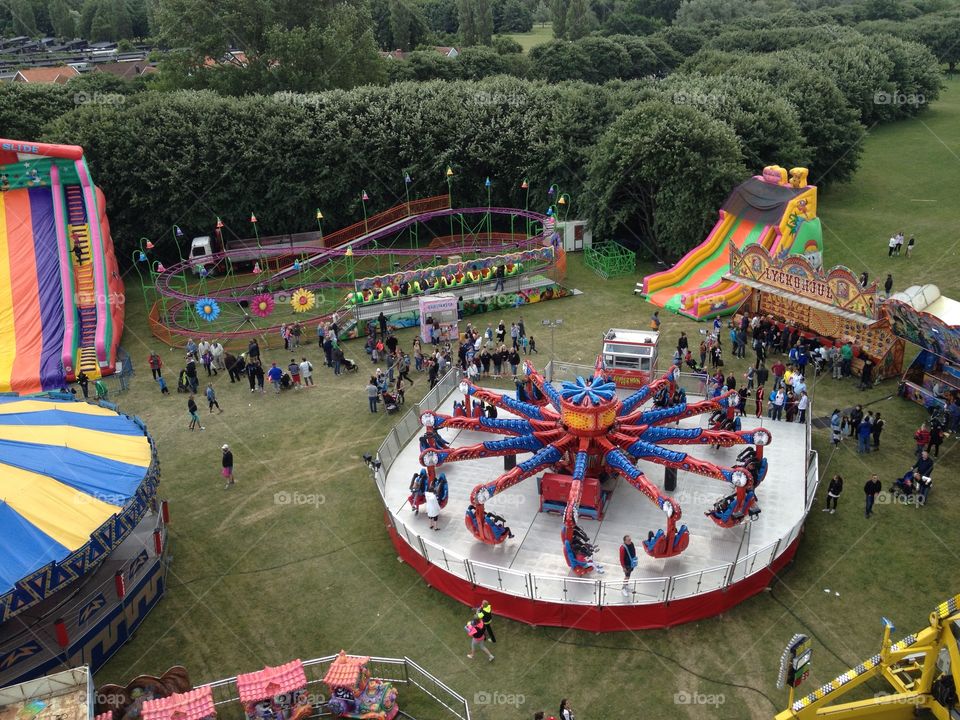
610	259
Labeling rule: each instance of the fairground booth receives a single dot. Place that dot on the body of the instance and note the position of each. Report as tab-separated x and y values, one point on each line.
827	306
927	319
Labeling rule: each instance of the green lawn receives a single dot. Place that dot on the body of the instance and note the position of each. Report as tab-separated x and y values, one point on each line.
253	582
538	36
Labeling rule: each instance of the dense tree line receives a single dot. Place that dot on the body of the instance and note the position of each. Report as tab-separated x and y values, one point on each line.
93	20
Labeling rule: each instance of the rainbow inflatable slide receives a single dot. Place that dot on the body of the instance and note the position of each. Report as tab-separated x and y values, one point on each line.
773	209
61	297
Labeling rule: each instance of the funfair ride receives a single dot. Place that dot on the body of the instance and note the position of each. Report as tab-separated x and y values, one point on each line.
585	430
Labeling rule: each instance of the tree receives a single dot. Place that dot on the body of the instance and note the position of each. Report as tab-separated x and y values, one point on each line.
61	19
558	16
400	22
576	24
640	190
542	13
468	21
440	15
512	16
607	59
24	18
559	60
484	21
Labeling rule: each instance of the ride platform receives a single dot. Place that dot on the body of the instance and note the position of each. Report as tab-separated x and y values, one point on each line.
527	577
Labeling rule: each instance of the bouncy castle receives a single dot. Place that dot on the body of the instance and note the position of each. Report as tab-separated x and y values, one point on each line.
61	297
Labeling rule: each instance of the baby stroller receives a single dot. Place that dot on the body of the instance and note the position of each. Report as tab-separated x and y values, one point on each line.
183	382
349	365
392	401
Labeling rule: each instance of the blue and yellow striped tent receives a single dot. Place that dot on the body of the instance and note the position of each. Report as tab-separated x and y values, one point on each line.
75	478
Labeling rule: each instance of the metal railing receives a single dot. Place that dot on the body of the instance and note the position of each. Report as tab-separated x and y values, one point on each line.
399	671
576	590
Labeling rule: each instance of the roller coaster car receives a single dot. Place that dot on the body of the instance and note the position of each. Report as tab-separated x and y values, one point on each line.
659	545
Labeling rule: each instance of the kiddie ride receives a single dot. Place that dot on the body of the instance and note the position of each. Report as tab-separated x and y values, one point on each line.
585	431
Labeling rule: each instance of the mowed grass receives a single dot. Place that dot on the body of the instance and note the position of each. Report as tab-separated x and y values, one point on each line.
255	582
538	36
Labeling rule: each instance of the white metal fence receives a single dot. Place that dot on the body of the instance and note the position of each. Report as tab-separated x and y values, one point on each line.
585	591
399	671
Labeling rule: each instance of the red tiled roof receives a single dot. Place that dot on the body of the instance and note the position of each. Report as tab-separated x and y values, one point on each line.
58	74
344	671
193	705
271	681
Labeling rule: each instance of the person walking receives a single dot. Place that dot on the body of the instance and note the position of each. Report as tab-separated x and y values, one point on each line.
566	711
760	395
373	394
194	416
777	404
212	399
835	427
891	245
275	374
84	382
871	489
833	494
306	372
936	439
878	424
477	632
864	431
432	506
156	364
628	561
485	613
227	464
888	285
802	404
910	244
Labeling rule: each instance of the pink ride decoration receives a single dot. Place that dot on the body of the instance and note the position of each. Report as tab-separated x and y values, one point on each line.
354	694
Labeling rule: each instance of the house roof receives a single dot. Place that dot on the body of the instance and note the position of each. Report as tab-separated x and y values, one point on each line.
193	705
344	671
57	74
393	54
271	681
231	57
443	50
125	70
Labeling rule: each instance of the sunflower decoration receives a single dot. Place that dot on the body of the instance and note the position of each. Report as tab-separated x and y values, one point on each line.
208	309
302	300
262	305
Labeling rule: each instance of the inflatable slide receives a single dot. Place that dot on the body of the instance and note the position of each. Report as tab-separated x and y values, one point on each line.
61	297
771	209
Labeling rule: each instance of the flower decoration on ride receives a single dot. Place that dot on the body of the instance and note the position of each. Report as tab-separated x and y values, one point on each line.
262	305
302	300
596	390
583	427
208	309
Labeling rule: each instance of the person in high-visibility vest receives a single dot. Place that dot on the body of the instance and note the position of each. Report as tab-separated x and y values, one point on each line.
485	613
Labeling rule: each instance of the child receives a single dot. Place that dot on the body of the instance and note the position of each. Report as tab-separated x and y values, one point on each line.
294	369
533	345
525	343
212	399
164	390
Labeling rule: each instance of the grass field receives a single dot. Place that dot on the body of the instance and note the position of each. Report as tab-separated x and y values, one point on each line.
253	582
538	36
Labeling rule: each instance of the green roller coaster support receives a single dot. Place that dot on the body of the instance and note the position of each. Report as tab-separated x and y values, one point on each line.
610	259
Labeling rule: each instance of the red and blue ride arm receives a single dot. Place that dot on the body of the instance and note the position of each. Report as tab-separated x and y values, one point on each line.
481	494
698	436
545	388
576	487
648	391
500	426
527	410
683	461
490	448
664	543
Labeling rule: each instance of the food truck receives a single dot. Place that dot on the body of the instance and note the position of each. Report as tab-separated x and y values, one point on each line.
630	356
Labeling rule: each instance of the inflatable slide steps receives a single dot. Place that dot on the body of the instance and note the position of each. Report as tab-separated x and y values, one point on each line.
78	231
